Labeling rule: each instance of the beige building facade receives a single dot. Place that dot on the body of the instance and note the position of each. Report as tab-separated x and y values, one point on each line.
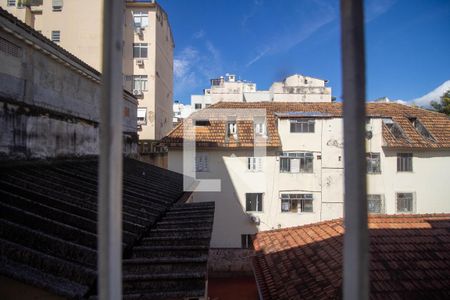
301	178
294	88
76	25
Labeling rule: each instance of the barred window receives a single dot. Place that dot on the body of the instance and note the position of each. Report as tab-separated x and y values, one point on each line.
296	162
9	48
11	3
302	125
201	162
375	204
373	163
405	203
296	203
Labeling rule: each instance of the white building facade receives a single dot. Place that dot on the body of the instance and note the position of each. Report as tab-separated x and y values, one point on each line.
294	88
300	180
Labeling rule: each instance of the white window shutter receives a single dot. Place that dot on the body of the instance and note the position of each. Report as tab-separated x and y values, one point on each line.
259	162
295	165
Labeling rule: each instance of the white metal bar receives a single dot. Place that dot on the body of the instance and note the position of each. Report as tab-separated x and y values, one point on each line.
110	165
356	260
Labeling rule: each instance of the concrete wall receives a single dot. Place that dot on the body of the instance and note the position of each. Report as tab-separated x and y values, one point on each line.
49	107
325	183
81	34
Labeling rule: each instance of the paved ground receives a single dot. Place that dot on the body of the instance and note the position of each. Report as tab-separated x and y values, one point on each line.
232	289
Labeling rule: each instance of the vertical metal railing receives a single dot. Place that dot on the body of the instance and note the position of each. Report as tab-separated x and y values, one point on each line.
110	165
356	242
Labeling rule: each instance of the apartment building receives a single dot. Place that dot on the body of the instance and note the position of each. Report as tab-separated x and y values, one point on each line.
294	88
147	49
300	179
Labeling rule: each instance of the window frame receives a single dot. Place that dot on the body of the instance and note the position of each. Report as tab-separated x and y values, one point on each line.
254	164
205	162
302	123
370	157
413	203
405	162
10	3
287	157
381	199
198	104
144	122
140	15
139	79
258	202
232	132
53	36
138	49
300	198
247	241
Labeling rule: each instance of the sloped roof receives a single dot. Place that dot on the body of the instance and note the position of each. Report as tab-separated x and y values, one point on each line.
214	135
409	258
48	225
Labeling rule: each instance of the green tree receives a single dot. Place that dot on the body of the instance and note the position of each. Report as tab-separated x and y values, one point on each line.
442	106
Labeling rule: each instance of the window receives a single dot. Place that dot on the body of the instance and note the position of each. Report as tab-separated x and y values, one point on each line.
421	129
260	127
11	3
198	106
302	125
254	164
201	162
140	82
296	162
57	5
9	48
404	162
394	128
375	204
231	128
373	163
296	203
56	36
140	50
142	116
405	203
140	20
253	201
247	241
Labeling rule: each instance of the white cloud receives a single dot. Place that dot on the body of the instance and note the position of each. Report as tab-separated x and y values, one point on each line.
199	34
434	95
376	8
297	31
193	67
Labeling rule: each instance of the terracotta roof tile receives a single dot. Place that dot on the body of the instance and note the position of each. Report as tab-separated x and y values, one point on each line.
213	135
410	257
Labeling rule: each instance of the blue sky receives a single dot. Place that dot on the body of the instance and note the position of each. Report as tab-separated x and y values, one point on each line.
407	43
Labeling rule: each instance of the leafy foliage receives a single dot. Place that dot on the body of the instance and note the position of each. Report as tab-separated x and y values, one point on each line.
444	105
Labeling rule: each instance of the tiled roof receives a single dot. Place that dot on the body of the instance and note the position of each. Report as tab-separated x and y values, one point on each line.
409	259
213	135
48	225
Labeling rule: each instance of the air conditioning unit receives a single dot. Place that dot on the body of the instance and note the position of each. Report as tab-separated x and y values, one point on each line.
254	219
140	62
139	30
137	92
